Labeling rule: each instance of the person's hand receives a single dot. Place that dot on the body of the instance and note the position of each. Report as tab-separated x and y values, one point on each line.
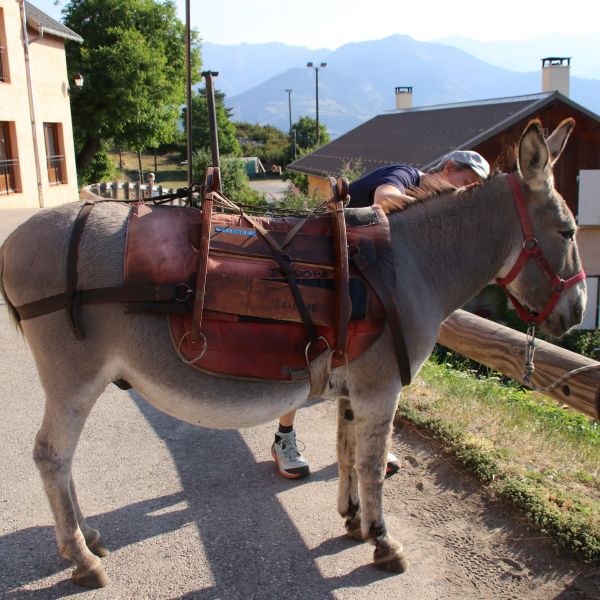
389	194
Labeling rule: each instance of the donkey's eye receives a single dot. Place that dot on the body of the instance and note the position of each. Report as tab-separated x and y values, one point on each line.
568	234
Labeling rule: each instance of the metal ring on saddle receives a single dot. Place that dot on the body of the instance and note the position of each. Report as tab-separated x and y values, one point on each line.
202	353
188	292
310	344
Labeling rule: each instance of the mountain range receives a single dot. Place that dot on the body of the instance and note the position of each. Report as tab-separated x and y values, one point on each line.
359	80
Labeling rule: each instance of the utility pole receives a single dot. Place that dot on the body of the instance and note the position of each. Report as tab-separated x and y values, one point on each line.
188	114
311	65
289	93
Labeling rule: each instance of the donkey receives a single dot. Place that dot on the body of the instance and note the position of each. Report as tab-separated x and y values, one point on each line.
446	249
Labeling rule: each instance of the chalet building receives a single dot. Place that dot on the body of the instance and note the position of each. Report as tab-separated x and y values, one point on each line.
421	136
37	157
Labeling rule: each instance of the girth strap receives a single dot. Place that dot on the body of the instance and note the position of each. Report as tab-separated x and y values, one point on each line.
391	310
73	268
109	295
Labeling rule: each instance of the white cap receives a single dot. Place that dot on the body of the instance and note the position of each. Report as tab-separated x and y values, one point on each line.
470	159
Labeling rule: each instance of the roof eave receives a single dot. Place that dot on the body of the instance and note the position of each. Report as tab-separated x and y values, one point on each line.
43	30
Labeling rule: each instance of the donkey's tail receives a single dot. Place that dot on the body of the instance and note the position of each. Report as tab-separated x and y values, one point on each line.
12	311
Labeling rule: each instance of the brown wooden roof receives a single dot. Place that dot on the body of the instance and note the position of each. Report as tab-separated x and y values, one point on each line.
422	136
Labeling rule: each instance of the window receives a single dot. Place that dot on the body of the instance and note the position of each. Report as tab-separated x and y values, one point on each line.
55	157
8	163
3	56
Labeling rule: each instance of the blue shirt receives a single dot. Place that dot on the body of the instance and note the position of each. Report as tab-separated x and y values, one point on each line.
400	176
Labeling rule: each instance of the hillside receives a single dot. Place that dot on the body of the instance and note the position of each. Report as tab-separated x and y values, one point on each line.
360	78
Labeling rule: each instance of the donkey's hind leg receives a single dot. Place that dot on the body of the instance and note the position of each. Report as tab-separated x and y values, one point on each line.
348	503
373	417
55	444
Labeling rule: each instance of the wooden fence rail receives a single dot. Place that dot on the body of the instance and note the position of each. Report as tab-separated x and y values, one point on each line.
503	349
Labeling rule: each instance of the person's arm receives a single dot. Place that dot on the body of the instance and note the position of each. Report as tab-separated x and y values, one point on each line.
390	193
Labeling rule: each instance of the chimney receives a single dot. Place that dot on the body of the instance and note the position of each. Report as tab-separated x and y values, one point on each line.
403	97
555	74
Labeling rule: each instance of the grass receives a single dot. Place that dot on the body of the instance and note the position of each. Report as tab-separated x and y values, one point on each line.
542	458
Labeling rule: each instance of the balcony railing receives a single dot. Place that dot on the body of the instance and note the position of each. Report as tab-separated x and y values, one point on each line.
56	169
8	180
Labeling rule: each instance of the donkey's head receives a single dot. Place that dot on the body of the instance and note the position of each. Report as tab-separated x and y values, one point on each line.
547	276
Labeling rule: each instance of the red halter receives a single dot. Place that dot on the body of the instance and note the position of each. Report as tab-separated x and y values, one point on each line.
531	249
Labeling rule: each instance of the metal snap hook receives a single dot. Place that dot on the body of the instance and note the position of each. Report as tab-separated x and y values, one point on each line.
187	291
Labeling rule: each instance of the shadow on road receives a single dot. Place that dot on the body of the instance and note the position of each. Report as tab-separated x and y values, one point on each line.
253	547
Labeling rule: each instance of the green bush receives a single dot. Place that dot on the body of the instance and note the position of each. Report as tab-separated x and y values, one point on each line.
234	180
100	168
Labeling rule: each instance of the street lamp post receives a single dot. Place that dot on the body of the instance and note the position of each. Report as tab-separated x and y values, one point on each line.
292	140
310	65
289	93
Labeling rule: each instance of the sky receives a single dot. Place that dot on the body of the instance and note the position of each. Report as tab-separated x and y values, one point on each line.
333	23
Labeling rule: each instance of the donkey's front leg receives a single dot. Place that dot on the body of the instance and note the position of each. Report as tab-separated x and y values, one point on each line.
373	419
348	503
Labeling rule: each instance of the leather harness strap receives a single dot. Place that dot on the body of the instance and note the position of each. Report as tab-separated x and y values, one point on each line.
284	263
391	310
73	268
212	184
343	307
109	295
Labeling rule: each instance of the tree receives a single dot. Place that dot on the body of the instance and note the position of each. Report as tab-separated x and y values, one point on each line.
228	143
270	144
133	60
306	133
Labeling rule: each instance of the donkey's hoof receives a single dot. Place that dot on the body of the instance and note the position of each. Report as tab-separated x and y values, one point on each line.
352	527
390	557
97	546
94	577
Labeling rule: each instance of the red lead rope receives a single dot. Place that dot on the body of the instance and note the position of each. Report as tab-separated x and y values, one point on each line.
531	249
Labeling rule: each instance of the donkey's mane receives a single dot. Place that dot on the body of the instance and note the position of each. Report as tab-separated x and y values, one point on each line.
437	186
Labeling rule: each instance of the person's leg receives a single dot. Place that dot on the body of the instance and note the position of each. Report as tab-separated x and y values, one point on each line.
288	459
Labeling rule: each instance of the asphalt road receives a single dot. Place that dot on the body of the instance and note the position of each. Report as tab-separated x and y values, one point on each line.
201	514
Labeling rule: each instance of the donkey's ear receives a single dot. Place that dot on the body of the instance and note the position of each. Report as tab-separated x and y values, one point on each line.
558	138
534	164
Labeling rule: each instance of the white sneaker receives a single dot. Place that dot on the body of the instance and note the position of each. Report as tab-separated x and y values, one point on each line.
290	463
392	466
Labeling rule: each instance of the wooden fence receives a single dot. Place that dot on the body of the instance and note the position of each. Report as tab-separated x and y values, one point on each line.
118	190
503	349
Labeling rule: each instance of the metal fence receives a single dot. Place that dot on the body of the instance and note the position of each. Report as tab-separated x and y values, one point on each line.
56	169
118	190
